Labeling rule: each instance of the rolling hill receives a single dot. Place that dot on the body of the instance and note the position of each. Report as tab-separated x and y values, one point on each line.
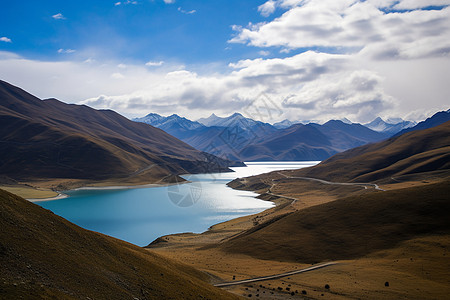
51	139
349	228
413	152
43	256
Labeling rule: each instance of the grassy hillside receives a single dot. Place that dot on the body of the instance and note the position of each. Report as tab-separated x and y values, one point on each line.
43	256
349	228
413	152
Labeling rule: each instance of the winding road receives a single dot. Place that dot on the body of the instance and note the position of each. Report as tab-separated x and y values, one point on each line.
365	185
276	276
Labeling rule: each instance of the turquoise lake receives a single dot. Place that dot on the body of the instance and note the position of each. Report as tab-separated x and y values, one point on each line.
141	215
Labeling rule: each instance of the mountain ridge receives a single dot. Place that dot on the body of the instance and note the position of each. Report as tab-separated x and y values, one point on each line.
436	119
51	139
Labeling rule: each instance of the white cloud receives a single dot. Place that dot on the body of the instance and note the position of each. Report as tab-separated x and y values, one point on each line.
125	3
89	61
267	8
59	16
264	53
5	39
186	12
169	1
309	85
414	4
117	75
66	51
154	63
351	25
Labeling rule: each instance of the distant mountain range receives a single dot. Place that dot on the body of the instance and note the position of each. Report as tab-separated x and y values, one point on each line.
239	138
48	139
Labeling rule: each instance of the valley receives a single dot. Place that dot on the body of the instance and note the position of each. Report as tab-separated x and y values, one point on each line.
369	221
209	150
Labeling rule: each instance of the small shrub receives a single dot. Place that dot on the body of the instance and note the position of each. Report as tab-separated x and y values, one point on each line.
386	283
327	286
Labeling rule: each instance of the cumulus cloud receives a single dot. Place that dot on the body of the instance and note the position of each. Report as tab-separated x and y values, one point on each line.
311	85
5	39
59	16
414	4
117	75
355	94
267	8
351	26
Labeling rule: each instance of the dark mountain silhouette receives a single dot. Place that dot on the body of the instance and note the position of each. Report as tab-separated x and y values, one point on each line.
51	139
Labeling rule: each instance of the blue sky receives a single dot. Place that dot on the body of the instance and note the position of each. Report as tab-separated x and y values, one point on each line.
185	31
314	59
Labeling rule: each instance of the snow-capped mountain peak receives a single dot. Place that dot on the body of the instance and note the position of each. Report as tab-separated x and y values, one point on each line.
392	126
283	124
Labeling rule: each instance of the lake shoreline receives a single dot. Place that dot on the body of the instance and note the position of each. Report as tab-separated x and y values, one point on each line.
219	204
63	195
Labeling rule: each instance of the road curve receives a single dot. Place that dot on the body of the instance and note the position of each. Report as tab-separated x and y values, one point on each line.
365	185
223	284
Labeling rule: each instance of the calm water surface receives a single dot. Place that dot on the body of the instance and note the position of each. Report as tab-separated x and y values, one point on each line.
141	215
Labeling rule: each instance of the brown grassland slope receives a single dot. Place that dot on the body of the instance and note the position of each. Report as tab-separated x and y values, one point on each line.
43	256
413	152
351	227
